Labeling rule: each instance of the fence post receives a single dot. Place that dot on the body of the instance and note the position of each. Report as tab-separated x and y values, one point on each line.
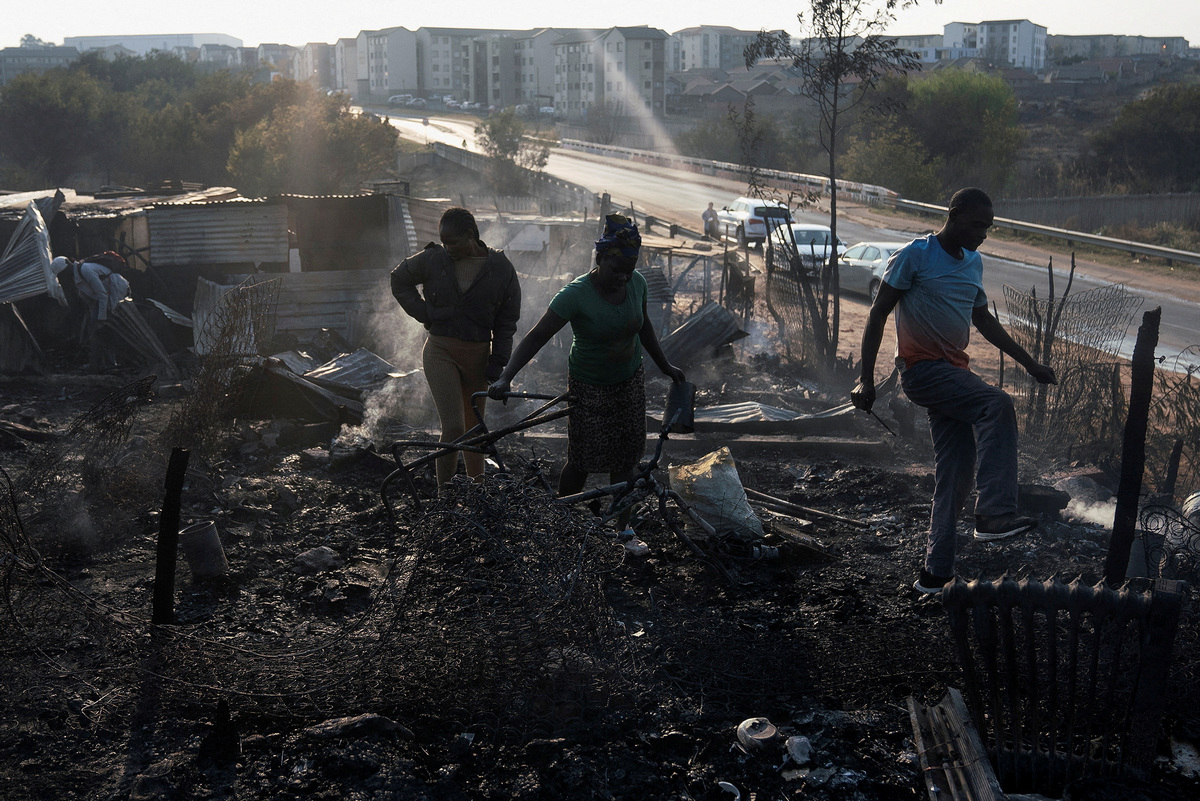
168	539
1133	449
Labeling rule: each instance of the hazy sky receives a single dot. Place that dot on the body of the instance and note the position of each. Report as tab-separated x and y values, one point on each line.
296	22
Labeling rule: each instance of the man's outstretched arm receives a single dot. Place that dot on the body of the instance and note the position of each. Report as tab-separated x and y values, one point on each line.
863	394
987	325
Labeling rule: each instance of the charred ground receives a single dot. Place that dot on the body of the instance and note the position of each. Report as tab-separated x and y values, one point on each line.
491	645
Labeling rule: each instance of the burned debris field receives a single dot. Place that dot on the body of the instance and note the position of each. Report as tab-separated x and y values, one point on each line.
488	644
329	630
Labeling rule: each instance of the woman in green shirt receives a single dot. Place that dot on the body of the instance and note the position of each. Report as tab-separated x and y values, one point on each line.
610	331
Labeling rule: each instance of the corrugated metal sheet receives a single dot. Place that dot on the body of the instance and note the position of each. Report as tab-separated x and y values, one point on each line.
702	333
361	371
757	418
25	266
219	233
341	300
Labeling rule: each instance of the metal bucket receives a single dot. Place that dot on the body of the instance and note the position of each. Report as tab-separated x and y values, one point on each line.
682	399
203	551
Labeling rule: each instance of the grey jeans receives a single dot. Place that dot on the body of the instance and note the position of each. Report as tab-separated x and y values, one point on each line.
964	410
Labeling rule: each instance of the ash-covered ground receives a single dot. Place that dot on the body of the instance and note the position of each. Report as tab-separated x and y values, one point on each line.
488	645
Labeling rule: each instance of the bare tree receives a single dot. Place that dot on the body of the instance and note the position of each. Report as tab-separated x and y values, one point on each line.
604	121
841	56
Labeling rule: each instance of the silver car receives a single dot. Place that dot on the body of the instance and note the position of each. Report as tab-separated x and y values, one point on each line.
860	269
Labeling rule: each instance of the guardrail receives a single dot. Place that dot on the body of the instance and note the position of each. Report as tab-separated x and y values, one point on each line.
1170	254
577	197
802	182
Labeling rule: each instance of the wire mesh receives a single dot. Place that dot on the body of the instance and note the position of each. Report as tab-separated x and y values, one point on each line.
233	333
1079	337
792	303
1174	423
491	618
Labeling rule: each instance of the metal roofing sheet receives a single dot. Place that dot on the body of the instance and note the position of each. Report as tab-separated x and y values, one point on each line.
228	233
709	328
362	371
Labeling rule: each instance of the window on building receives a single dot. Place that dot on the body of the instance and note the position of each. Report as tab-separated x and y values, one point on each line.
608	86
619	46
647	65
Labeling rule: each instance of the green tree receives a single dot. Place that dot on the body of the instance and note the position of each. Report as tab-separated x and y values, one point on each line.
313	147
894	157
502	138
937	134
128	73
1154	143
60	123
967	120
841	56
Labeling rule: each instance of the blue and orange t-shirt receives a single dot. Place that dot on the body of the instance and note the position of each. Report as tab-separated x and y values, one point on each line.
933	318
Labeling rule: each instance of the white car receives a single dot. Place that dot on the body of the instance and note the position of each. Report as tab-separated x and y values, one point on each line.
801	246
860	269
748	220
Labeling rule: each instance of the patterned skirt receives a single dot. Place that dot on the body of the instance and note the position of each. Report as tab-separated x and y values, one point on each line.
606	431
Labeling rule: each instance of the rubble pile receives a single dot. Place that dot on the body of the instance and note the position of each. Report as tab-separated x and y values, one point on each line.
491	644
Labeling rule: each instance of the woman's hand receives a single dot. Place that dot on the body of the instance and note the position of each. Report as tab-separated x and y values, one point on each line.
500	388
674	373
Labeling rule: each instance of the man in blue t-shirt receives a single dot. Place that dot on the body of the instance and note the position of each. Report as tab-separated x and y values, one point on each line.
935	284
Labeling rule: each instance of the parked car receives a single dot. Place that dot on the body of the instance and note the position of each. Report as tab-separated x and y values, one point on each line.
400	100
746	220
417	102
800	246
860	269
546	110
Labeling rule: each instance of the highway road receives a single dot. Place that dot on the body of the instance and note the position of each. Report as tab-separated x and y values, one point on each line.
679	196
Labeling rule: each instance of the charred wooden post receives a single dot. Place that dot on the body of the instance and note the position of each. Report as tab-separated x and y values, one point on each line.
1133	450
168	539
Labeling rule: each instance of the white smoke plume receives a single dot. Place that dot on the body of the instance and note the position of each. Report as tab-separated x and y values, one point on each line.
1101	513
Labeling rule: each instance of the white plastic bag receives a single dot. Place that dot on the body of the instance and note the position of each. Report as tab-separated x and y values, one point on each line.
713	488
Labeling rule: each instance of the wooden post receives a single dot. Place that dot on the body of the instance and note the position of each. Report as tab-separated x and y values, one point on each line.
1133	450
168	539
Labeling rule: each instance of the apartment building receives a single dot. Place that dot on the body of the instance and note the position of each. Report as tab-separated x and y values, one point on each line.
143	44
16	61
641	74
313	64
535	62
708	47
278	57
446	57
1116	46
1017	42
345	65
575	57
387	64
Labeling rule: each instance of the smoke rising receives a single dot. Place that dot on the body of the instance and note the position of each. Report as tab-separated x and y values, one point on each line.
1101	513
